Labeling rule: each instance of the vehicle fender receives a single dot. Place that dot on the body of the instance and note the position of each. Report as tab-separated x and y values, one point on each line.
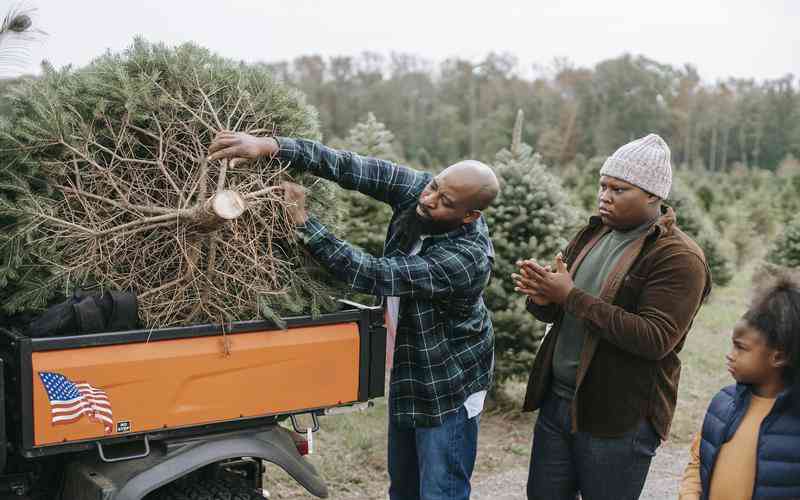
133	479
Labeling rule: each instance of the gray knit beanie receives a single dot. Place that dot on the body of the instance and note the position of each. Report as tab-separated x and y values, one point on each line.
643	163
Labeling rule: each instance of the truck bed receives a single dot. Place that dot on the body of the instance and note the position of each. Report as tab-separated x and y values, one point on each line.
102	387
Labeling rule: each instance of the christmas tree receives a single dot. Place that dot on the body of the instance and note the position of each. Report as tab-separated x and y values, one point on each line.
105	185
786	249
532	218
693	221
365	220
16	31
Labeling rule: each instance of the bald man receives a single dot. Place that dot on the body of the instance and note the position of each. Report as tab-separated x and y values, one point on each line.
436	263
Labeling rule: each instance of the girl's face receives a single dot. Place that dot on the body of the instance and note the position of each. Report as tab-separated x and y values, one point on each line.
751	360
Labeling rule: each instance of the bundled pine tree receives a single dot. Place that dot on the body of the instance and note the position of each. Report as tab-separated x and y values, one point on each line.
16	31
105	184
532	218
365	220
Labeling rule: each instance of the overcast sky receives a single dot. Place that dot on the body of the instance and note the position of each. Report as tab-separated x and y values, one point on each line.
741	38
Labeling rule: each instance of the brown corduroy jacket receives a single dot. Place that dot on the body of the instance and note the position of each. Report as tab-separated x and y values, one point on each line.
629	367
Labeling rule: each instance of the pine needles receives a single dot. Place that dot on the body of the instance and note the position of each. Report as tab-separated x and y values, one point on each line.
129	202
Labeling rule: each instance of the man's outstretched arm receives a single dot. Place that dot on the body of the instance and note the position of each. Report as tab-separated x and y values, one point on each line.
380	179
438	274
457	271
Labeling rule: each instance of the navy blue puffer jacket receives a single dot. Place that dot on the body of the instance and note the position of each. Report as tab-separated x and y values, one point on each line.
778	464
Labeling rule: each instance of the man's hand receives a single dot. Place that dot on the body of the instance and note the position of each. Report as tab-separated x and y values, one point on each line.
241	147
549	286
295	197
525	284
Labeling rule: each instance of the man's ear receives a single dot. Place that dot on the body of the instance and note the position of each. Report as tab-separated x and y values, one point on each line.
472	216
779	359
652	199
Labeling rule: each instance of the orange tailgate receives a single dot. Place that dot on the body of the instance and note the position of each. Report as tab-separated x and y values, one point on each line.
184	382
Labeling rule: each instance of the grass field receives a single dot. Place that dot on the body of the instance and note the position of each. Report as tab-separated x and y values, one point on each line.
351	449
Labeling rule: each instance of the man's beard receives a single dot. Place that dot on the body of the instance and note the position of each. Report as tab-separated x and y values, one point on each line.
411	226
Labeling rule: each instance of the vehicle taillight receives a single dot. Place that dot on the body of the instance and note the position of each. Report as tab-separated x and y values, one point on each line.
302	446
301	443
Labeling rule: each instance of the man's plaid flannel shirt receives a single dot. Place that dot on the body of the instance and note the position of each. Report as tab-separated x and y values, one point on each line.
444	349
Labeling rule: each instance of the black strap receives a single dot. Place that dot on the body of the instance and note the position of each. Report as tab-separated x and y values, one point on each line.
57	320
89	316
124	312
88	313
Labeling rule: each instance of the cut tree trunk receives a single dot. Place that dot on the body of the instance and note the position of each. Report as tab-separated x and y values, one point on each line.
224	206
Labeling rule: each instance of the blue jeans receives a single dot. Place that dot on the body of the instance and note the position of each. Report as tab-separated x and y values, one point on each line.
433	463
563	464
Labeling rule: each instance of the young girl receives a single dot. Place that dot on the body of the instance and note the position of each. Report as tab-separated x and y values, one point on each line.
749	446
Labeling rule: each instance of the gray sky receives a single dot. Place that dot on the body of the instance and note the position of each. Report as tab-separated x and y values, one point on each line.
741	38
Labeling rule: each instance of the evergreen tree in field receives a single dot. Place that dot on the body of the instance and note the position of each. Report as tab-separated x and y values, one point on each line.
372	138
105	183
365	220
697	224
532	218
582	179
788	198
786	249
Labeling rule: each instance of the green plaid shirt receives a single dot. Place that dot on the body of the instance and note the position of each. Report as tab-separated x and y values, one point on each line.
444	348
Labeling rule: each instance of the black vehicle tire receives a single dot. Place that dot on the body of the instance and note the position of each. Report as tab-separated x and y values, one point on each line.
205	489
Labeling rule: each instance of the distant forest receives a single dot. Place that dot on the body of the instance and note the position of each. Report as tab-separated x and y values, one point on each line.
457	109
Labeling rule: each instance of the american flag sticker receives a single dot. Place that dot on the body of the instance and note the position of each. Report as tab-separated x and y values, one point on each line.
69	401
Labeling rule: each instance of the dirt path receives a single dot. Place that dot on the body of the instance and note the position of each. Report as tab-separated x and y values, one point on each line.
662	482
